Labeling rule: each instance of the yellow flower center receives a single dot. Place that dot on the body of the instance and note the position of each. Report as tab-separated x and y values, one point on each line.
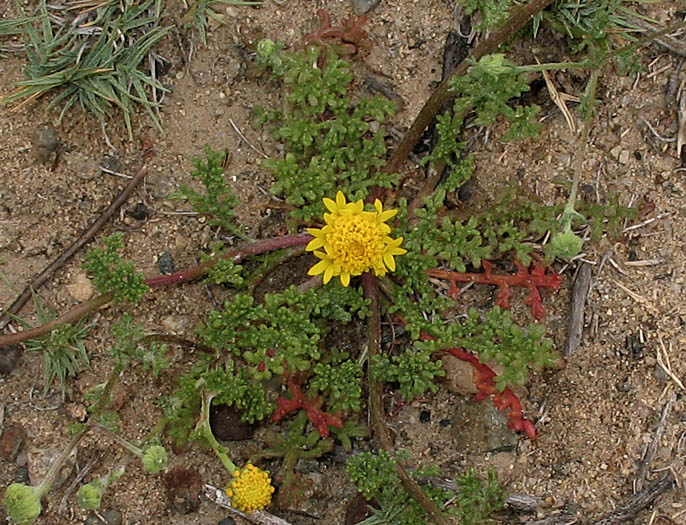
250	489
353	241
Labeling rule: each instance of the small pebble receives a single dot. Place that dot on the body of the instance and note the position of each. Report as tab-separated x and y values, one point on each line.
165	263
44	142
140	212
80	288
227	521
424	416
9	357
364	6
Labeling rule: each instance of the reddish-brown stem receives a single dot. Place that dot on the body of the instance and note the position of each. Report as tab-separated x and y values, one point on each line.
86	236
532	279
255	248
516	21
371	291
182	276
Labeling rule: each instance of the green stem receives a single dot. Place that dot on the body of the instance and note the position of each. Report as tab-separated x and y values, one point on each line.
57	463
204	426
570	211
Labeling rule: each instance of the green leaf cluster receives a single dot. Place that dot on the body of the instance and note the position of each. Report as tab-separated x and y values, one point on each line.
113	275
493	13
331	143
217	201
478	501
414	370
341	383
281	334
487	87
375	476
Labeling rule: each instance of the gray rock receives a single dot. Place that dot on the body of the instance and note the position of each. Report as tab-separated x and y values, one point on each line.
364	6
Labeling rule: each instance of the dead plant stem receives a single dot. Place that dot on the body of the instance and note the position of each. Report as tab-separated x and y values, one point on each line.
371	290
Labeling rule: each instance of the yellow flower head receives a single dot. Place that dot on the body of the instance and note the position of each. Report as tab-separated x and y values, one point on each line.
353	241
250	489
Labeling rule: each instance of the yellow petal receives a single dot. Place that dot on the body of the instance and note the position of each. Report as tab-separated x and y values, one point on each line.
357	206
328	273
330	205
378	205
318	268
384	216
345	279
389	261
315	243
340	199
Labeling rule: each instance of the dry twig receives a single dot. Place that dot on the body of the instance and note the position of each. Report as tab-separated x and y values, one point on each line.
259	516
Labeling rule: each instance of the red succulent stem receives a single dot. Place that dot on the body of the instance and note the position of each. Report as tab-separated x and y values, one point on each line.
484	379
532	279
319	419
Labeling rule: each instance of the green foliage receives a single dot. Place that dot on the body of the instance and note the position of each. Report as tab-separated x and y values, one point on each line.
218	201
493	13
113	275
487	87
476	502
283	332
98	68
224	271
330	145
89	496
155	459
64	351
376	478
592	23
22	503
414	370
341	383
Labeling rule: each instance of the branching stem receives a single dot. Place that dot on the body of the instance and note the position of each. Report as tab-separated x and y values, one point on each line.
371	291
516	21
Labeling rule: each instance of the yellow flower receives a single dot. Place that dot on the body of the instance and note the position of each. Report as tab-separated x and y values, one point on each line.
354	241
250	489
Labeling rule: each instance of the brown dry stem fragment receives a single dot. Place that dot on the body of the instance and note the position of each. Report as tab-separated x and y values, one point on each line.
575	327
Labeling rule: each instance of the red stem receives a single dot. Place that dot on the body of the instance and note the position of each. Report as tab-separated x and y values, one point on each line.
182	276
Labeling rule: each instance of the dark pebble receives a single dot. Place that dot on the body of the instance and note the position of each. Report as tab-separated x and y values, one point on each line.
45	142
140	212
110	163
227	521
356	510
165	263
22	475
424	416
444	423
226	424
9	357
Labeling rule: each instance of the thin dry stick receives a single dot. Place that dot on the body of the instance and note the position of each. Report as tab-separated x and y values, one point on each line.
85	237
638	502
575	327
376	407
259	516
516	21
647	461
